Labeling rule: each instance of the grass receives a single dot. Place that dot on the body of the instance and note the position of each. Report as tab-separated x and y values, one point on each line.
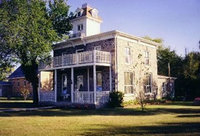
174	119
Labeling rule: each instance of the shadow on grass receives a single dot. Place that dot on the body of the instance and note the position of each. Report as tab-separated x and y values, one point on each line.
78	112
102	112
105	112
8	105
180	103
165	128
189	116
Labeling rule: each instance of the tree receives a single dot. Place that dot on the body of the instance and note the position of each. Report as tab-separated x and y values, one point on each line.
59	15
191	75
28	29
165	56
142	80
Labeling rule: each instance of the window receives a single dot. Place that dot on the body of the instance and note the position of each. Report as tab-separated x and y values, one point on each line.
80	27
24	82
99	81
80	83
148	83
127	55
64	81
129	82
94	13
97	48
79	14
146	55
18	83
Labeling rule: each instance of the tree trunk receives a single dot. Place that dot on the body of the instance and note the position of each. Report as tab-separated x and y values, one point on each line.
35	93
31	74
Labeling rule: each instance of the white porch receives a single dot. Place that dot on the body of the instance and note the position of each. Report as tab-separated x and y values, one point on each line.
90	63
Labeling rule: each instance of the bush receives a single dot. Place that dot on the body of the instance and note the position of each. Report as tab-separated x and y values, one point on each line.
196	101
115	99
25	93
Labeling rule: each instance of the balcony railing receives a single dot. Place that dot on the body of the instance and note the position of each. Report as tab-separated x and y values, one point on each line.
75	35
86	57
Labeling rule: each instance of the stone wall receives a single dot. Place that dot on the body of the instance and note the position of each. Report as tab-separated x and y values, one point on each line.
136	48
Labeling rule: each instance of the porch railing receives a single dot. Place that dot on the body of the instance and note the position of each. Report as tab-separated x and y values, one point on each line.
84	97
94	56
88	97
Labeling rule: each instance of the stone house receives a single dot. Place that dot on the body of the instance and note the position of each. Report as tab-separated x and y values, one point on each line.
90	64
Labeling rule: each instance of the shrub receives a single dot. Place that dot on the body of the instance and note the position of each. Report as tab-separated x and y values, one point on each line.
116	99
196	101
25	93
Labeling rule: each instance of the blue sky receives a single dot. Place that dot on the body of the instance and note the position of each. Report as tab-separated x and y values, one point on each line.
177	22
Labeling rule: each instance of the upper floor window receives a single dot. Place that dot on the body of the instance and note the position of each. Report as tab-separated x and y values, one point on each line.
146	55
18	83
129	82
148	83
97	48
80	27
94	13
79	14
127	55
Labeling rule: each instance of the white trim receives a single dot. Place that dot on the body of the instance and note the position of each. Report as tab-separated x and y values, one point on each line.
110	77
75	66
95	83
136	41
127	39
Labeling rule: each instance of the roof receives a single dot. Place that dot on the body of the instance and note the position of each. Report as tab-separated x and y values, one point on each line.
17	73
5	83
86	11
107	34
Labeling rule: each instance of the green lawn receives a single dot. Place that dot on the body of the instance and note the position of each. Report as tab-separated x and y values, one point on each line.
174	119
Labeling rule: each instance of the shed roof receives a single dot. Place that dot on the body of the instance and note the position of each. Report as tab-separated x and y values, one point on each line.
17	73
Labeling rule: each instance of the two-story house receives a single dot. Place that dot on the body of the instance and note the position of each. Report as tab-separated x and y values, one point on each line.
90	64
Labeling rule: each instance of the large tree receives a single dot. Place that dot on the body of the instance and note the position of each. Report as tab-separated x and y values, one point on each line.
167	57
28	30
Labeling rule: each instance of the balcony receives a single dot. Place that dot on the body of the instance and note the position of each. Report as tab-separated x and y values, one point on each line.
78	59
76	35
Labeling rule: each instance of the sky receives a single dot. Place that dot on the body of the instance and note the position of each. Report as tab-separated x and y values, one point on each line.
177	22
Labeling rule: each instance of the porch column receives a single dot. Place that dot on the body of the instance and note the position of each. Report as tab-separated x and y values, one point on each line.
55	84
110	77
72	85
88	78
94	81
39	86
